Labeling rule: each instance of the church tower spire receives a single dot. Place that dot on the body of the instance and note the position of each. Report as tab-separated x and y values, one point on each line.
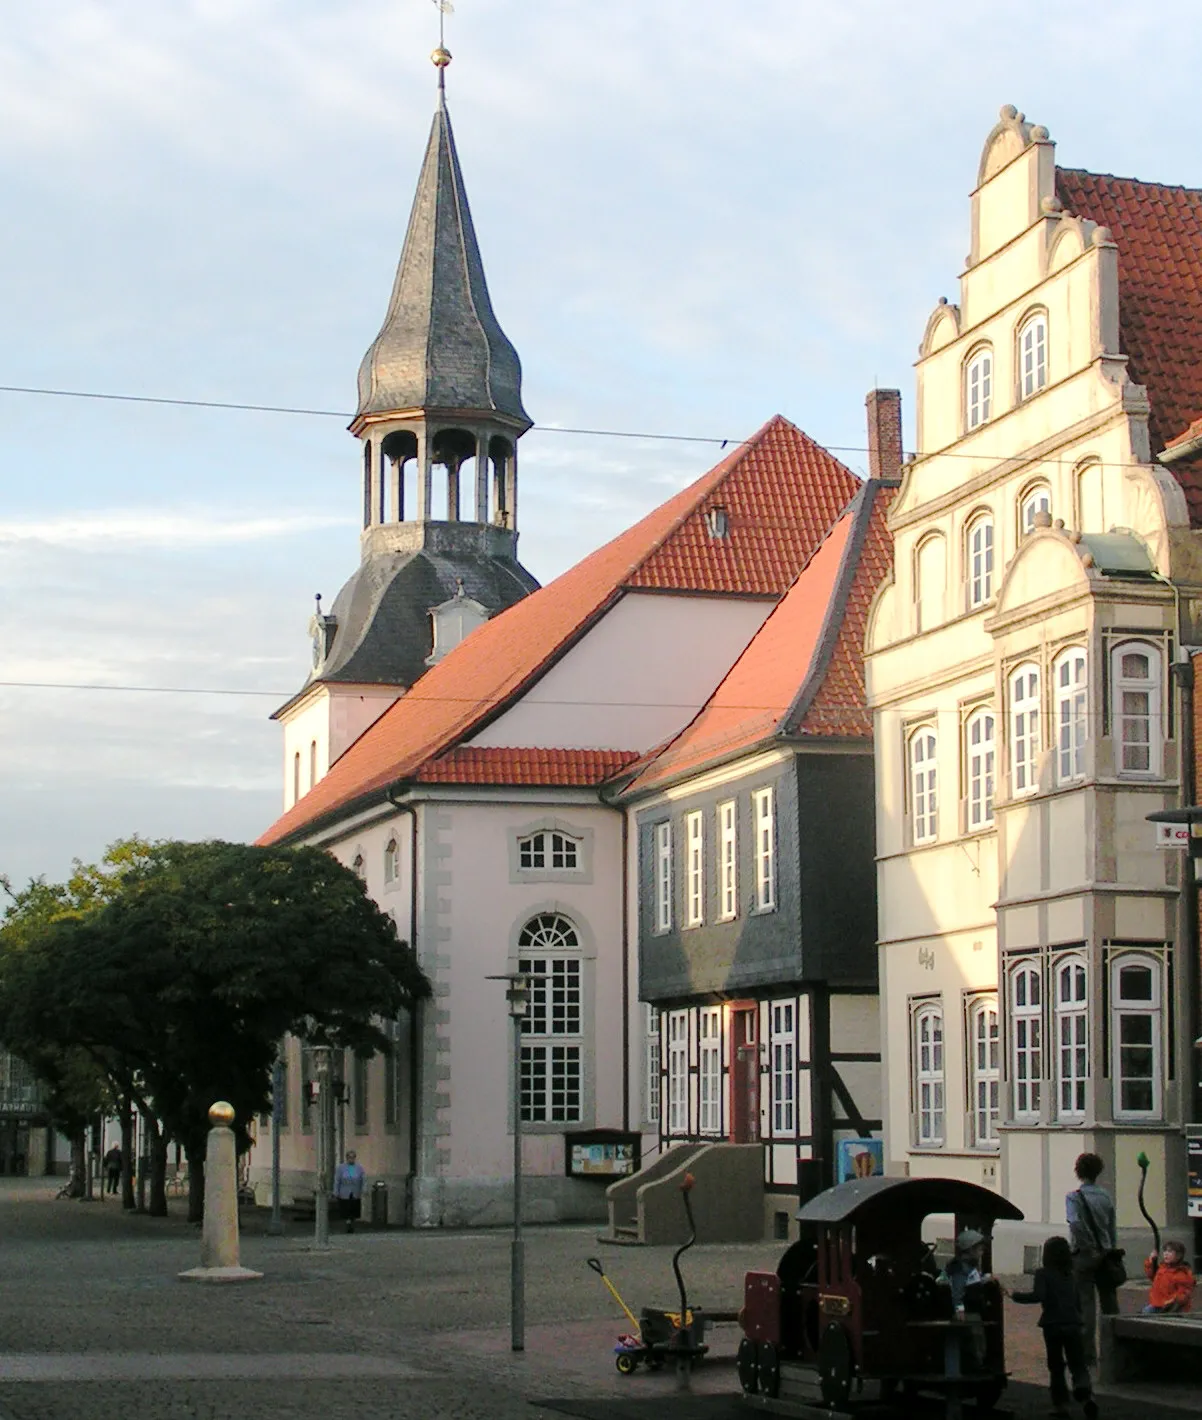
440	388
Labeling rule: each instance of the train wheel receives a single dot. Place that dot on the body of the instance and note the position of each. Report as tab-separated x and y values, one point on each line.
835	1366
748	1366
626	1363
768	1370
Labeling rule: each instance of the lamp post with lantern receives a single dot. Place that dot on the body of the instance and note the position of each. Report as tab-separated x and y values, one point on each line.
321	1189
517	996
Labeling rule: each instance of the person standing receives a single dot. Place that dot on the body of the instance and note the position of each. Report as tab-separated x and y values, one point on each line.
1089	1210
112	1169
348	1189
1055	1290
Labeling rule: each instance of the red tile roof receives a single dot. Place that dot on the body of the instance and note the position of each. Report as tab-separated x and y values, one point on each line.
471	764
1159	234
765	479
803	671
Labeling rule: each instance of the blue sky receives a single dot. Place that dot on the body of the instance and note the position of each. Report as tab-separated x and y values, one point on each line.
693	213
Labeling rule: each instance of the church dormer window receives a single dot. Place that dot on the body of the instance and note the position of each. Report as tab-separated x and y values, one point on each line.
978	388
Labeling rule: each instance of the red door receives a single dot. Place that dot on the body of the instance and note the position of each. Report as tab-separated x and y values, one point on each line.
745	1073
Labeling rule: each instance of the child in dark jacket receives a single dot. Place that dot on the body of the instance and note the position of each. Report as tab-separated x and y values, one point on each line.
1055	1289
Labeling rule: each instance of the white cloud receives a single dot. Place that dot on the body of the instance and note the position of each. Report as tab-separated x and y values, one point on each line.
163	529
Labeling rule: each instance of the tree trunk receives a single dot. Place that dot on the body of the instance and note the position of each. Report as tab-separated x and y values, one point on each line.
196	1185
128	1142
158	1172
79	1162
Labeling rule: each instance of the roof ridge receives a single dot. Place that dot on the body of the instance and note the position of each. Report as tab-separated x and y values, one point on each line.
1139	182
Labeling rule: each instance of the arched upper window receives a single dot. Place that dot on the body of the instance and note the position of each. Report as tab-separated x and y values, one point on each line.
923	785
1071	1003
1136	1044
296	777
930	582
392	861
1071	686
980	560
984	1070
1035	499
980	738
1091	498
552	1080
549	850
1025	737
358	865
1033	355
928	1074
1026	1021
978	387
312	763
1135	676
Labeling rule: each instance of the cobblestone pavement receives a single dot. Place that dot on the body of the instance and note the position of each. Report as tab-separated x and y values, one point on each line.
95	1325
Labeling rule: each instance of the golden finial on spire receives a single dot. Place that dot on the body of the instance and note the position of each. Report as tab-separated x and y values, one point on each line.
441	57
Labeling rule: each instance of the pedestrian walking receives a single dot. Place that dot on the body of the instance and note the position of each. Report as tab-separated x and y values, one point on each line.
348	1189
1172	1279
1056	1292
1097	1260
112	1169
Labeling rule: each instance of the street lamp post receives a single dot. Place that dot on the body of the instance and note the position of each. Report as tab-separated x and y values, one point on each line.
517	996
321	1191
276	1226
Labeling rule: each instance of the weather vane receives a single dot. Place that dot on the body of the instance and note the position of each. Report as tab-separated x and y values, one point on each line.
444	8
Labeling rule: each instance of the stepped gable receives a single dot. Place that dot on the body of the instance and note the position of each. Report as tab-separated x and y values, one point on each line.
802	674
761	482
1159	234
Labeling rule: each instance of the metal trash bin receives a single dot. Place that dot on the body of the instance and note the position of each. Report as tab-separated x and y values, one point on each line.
379	1204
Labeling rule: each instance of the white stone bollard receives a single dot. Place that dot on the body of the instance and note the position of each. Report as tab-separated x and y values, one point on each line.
219	1236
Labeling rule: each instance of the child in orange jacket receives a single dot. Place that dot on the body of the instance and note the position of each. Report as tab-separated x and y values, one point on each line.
1172	1280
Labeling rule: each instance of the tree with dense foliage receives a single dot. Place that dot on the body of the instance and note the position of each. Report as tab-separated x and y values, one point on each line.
199	961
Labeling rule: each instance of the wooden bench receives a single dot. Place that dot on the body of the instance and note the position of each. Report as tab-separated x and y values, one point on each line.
1150	1348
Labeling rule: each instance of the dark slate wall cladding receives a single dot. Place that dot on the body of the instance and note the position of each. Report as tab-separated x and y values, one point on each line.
755	949
836	806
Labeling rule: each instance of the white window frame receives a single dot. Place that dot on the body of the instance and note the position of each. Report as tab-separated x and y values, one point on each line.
978	388
392	861
728	861
763	808
662	837
1025	983
1035	499
709	1070
927	1034
1026	725
1070	690
651	1067
1033	355
1070	1011
782	1021
678	1072
979	551
694	839
922	760
1125	721
552	1056
1124	1013
540	850
984	1070
980	752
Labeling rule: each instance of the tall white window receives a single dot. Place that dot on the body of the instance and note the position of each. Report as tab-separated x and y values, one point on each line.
763	812
784	1067
1071	1005
709	1070
1037	499
549	850
663	877
1072	714
312	763
1026	1021
1136	1030
928	1074
694	835
1135	701
980	734
728	861
1033	356
985	1071
392	861
678	1072
553	1027
978	388
980	561
651	1066
358	866
296	776
1025	738
924	803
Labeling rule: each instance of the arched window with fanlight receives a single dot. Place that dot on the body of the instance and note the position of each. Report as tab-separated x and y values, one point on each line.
979	549
1026	1041
1070	1003
552	1065
1070	683
1025	736
928	1084
1035	499
1135	694
978	388
979	736
924	784
1033	355
984	1070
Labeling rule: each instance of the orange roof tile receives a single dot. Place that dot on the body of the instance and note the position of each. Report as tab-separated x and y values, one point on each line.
1159	234
814	640
765	478
475	764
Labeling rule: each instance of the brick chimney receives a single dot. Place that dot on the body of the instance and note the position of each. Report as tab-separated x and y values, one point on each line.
884	433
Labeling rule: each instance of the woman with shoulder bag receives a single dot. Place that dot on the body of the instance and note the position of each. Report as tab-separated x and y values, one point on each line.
1097	1258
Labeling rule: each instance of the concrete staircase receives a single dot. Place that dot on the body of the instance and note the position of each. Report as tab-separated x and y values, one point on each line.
727	1198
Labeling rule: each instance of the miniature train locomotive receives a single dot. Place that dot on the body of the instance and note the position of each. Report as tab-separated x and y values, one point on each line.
857	1299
